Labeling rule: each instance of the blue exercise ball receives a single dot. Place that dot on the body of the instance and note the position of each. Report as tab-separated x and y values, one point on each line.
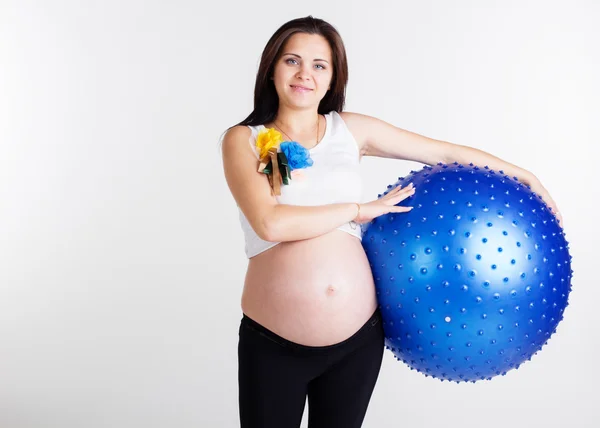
474	280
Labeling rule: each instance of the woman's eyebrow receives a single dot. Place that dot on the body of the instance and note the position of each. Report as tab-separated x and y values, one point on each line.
316	59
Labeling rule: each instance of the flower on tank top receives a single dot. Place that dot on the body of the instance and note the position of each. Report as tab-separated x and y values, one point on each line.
280	160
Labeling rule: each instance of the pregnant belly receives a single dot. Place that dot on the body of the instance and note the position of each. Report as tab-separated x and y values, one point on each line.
314	292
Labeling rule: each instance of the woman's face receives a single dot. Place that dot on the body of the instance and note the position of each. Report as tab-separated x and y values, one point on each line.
303	72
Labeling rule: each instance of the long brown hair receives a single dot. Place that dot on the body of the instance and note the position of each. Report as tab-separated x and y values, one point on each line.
266	100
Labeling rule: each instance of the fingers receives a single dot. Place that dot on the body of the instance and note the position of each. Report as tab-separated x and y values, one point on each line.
408	187
399	209
402	194
399	188
560	220
395	196
399	196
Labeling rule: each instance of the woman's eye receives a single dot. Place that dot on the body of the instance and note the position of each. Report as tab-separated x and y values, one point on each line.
292	59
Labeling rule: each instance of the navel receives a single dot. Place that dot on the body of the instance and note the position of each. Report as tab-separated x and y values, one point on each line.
331	290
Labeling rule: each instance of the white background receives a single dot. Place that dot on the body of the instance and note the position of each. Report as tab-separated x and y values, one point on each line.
121	255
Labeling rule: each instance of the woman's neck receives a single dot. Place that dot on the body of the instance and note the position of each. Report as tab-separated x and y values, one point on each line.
296	122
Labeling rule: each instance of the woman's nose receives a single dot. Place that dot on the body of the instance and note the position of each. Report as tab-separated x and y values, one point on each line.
304	72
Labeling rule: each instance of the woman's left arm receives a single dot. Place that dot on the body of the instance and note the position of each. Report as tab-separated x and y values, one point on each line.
376	137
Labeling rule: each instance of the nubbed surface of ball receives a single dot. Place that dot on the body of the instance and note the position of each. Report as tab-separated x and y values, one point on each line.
472	281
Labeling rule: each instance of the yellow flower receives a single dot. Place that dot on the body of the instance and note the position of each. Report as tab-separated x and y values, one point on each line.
267	139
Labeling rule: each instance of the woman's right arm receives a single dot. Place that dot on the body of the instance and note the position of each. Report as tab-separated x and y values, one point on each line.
281	222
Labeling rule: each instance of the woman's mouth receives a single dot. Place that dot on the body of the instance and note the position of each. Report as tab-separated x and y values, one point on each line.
300	88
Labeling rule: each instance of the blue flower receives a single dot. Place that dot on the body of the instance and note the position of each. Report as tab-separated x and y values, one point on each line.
297	155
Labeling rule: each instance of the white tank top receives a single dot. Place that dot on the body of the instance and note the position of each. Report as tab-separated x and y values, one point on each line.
333	178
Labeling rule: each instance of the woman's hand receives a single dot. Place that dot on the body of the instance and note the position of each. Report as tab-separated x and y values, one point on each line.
385	204
539	189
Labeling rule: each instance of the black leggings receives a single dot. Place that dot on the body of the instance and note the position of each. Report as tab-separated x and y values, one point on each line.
276	375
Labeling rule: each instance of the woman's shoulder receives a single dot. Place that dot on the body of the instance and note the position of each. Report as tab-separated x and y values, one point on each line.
358	121
354	117
238	131
238	138
230	135
358	124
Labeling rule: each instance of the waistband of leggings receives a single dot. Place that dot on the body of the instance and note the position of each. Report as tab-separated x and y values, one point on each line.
371	322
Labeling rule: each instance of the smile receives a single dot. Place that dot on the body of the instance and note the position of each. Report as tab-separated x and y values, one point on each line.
300	88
